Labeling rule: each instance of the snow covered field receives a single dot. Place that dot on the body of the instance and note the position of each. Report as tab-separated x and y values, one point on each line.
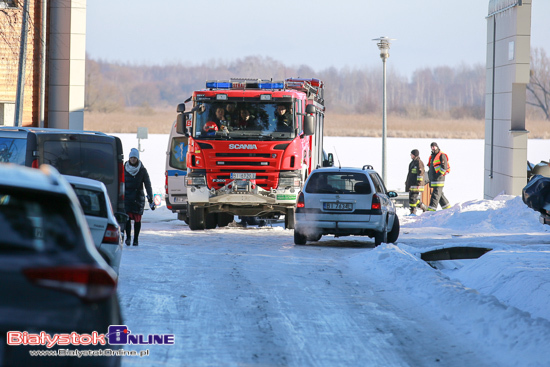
238	296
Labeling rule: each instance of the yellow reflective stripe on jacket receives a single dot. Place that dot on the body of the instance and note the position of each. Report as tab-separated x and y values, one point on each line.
414	170
416	188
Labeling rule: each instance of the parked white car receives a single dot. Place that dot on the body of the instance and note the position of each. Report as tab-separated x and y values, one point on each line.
343	202
103	224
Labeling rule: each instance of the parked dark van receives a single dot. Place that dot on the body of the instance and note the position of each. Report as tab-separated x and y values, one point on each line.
89	154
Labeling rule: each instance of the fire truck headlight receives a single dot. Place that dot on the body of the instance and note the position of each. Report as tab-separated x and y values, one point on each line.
289	182
196	181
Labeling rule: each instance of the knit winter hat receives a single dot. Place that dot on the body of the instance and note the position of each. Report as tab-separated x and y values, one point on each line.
134	153
415	152
434	144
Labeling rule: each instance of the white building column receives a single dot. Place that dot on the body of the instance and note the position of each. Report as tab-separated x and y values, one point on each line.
507	75
67	59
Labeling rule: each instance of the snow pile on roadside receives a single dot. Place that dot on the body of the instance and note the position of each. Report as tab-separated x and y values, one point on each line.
519	277
511	336
504	214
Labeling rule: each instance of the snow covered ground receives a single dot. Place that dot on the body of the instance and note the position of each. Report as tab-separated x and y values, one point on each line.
238	296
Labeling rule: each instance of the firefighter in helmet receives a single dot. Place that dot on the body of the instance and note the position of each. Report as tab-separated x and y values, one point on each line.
438	168
414	184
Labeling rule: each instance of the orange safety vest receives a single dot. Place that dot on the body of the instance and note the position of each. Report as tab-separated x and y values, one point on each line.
437	163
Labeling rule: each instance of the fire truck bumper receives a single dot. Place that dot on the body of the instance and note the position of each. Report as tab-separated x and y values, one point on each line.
245	197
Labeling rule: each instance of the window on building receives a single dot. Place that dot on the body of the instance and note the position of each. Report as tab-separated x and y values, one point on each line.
8	4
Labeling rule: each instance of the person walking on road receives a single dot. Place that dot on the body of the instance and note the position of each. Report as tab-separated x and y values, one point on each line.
438	168
414	184
135	177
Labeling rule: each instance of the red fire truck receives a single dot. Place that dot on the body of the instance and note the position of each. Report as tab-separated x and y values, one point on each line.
251	145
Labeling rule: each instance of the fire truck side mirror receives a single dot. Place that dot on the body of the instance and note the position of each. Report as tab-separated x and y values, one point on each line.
180	125
310	109
181	108
309	125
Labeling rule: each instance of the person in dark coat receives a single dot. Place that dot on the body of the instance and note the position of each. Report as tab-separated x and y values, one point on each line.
283	118
135	177
438	168
414	184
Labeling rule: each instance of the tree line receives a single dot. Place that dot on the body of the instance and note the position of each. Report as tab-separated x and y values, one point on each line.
456	92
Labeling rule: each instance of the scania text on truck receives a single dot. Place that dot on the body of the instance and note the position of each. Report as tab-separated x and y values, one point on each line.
252	143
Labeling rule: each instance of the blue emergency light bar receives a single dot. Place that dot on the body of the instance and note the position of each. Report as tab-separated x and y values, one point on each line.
244	84
276	85
218	85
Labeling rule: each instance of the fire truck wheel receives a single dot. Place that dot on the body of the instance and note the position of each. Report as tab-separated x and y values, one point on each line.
224	219
196	218
211	220
289	219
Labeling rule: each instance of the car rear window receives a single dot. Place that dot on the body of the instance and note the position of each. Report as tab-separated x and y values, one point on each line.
12	150
36	221
83	159
92	202
178	153
338	183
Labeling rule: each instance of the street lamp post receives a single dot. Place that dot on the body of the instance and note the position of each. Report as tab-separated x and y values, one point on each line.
384	46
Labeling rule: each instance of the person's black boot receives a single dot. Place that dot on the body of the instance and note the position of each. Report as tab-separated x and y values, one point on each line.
128	232
137	228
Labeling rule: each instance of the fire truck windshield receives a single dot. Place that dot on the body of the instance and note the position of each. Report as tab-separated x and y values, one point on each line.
244	120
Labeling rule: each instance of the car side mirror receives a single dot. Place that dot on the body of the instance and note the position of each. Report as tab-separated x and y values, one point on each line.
329	162
121	218
392	194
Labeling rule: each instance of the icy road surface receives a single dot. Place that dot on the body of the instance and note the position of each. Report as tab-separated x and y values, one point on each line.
249	297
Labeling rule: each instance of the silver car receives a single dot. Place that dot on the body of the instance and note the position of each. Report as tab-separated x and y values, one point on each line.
104	227
343	202
53	278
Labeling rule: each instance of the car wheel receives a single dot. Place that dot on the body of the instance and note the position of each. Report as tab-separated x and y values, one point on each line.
299	239
394	233
196	218
211	220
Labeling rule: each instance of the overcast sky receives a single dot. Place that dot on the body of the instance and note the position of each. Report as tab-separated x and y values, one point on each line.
317	33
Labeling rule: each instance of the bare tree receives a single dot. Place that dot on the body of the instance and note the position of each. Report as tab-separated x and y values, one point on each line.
539	83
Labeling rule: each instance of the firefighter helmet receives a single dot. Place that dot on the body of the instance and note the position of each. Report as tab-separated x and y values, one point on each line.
210	126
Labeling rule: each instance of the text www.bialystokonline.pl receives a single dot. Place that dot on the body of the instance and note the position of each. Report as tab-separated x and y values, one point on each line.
89	353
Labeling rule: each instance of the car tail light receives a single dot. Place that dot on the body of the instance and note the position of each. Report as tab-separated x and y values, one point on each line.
112	234
35	163
376	202
301	203
121	186
166	181
89	283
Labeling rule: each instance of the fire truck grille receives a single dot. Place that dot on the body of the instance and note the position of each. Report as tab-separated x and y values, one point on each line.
244	155
223	163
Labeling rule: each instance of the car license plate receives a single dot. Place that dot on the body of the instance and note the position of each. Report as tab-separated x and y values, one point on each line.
179	199
243	175
337	206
